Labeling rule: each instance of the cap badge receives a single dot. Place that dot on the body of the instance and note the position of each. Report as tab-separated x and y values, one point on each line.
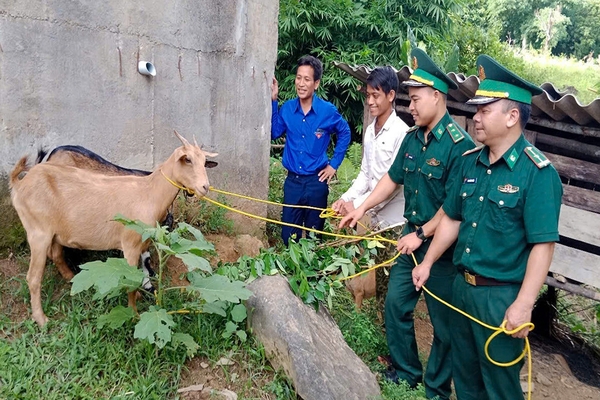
481	73
508	188
415	63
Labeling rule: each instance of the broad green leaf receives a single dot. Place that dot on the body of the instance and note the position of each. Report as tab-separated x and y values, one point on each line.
242	335
345	269
347	171
238	313
218	307
195	262
196	232
186	340
230	328
165	248
106	276
154	326
293	249
375	243
116	317
218	287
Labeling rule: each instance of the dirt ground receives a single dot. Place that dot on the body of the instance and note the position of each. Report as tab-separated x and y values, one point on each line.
561	370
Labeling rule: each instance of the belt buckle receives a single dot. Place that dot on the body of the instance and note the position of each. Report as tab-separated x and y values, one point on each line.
470	279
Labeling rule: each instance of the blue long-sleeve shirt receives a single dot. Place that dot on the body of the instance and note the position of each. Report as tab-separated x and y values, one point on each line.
307	136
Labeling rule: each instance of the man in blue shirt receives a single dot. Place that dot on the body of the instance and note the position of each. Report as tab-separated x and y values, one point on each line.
309	123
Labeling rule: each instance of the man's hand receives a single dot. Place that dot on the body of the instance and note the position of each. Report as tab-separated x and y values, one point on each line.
516	315
409	243
348	207
343	207
338	207
351	218
326	173
420	274
274	89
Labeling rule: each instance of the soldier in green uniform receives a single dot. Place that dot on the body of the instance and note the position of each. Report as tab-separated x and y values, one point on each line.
426	165
504	212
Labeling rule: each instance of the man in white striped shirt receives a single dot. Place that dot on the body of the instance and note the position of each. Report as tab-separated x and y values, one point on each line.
380	145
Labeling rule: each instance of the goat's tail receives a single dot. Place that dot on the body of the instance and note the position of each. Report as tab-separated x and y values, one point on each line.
42	152
20	167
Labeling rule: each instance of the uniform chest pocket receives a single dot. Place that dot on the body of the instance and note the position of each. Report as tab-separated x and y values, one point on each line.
433	171
410	164
504	209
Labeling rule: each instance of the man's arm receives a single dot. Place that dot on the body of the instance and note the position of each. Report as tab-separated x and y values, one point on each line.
538	265
446	233
277	123
385	187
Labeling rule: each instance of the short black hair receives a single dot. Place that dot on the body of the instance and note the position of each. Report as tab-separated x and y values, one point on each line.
313	62
383	78
524	110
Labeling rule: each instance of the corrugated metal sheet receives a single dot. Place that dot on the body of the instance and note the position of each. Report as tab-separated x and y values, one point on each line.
552	104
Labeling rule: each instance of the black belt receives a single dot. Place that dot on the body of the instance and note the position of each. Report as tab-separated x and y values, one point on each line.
478	280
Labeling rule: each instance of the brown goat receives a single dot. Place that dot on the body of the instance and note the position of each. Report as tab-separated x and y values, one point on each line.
65	206
362	287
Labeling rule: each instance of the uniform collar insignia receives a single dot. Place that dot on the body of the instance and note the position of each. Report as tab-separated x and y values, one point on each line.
433	162
508	188
512	158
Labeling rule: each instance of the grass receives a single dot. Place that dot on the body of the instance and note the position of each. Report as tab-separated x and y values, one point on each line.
72	358
582	79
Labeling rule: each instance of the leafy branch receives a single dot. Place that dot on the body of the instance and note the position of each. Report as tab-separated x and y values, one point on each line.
206	293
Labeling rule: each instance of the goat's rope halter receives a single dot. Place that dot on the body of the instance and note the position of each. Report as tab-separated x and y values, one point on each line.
187	190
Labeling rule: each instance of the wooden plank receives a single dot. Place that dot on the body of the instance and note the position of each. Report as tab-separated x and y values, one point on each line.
584	199
564	127
576	265
460	120
573	288
575	169
531	136
579	225
576	147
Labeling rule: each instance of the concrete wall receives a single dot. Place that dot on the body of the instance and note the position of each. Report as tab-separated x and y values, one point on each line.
68	75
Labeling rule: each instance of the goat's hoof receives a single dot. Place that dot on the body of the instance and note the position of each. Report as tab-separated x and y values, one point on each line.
41	320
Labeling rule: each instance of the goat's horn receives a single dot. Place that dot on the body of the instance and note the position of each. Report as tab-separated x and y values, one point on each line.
195	142
183	140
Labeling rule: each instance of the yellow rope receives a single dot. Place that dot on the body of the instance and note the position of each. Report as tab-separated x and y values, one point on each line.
328	213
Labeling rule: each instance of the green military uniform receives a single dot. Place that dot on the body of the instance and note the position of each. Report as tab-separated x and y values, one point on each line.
427	167
504	208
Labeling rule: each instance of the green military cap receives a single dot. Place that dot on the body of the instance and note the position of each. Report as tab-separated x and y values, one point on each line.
426	73
497	82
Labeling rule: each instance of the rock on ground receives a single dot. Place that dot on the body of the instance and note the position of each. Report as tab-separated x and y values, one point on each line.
306	344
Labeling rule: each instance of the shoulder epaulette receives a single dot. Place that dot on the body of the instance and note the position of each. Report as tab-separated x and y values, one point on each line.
412	128
474	150
538	158
455	132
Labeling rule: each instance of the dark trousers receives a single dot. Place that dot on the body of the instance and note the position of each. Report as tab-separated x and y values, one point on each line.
303	190
475	378
400	327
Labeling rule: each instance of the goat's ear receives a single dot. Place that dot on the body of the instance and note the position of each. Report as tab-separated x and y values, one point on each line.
210	164
207	154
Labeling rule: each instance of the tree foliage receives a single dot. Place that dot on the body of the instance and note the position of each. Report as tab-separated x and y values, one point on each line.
370	32
568	27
